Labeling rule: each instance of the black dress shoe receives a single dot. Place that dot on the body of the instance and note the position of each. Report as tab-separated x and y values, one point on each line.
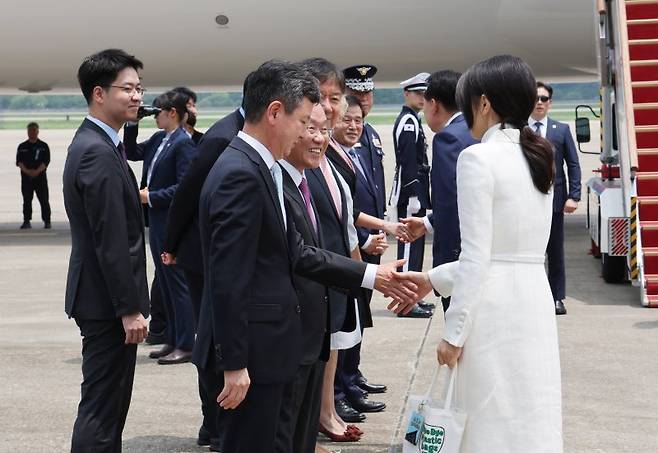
47	225
347	412
203	440
155	338
560	309
176	356
26	225
165	350
416	312
363	405
368	387
426	305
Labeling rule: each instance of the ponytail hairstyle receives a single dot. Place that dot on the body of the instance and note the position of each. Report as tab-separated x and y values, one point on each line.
510	87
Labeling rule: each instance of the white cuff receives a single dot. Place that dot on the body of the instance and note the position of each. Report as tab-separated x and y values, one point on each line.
428	225
369	276
442	277
367	243
148	198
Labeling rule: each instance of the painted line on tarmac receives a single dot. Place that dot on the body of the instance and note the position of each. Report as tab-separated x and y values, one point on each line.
393	444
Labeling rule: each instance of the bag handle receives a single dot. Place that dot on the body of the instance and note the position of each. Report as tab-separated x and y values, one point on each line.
449	391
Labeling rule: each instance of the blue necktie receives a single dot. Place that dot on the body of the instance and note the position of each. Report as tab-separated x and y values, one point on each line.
278	182
357	162
538	128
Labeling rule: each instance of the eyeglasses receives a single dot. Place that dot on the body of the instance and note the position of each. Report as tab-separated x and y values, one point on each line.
543	98
130	90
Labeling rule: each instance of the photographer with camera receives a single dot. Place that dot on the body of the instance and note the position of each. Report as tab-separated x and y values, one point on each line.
166	156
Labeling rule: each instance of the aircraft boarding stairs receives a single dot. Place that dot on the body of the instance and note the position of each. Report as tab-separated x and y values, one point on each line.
641	63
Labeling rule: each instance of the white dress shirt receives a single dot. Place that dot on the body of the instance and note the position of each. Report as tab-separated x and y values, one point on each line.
544	125
114	135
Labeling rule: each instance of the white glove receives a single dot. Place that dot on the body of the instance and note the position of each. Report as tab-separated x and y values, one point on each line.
414	205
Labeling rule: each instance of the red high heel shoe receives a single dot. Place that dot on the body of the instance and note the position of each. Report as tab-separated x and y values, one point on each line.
347	436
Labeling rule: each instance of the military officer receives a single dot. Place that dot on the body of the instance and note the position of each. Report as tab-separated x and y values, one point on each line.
410	194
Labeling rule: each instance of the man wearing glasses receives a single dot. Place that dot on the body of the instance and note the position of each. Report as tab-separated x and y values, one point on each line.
106	288
564	201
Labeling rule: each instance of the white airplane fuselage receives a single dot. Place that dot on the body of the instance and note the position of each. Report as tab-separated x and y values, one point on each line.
44	41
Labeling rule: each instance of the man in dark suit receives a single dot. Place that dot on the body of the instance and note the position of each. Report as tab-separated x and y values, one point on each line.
249	338
182	244
451	137
564	201
106	288
166	156
300	409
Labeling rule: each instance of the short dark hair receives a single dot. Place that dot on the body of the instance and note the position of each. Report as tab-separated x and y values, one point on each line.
172	100
509	85
324	70
353	101
441	86
187	92
101	69
547	87
32	124
278	80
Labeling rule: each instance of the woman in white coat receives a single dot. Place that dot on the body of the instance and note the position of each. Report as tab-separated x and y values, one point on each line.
501	322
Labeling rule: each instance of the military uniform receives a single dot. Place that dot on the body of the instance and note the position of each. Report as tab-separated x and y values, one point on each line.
410	194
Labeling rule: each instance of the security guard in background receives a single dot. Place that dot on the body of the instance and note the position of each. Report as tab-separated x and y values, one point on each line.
33	157
410	194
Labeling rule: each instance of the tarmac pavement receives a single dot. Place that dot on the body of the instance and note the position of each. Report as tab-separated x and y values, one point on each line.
608	348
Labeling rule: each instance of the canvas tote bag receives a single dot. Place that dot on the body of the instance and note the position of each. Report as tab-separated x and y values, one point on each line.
434	427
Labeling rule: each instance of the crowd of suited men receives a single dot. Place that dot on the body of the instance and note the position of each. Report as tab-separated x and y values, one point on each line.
245	289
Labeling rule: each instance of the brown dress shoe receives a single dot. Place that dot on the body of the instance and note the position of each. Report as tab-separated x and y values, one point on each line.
166	349
175	356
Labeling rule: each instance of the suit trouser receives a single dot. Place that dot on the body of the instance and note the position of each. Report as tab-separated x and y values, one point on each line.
300	411
555	253
108	368
208	403
252	426
175	294
415	251
28	187
347	372
195	285
158	322
210	385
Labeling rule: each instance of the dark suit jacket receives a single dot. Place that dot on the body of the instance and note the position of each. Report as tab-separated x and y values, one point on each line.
367	196
107	268
559	135
335	239
312	295
182	235
447	144
373	154
169	168
250	311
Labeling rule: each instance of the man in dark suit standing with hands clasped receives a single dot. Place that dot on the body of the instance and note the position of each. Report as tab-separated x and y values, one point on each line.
564	201
249	334
106	288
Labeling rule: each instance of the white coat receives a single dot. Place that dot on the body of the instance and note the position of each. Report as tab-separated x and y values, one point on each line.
502	312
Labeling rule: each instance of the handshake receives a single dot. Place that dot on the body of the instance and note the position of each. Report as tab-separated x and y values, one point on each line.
405	288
